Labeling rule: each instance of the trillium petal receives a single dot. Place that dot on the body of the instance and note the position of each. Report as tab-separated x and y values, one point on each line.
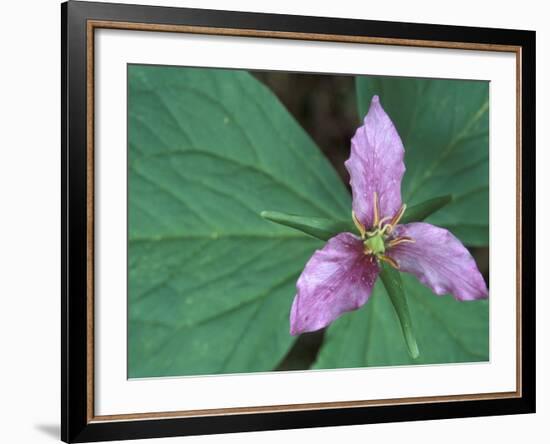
439	261
376	165
338	278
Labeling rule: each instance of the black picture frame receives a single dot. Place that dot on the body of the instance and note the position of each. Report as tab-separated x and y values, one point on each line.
76	326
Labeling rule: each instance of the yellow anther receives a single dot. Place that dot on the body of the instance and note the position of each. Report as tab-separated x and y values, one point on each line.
376	220
389	260
358	224
400	240
398	216
384	219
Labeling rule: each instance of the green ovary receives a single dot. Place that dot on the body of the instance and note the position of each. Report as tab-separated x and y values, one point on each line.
375	244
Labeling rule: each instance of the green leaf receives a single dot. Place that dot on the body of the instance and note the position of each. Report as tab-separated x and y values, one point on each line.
447	331
324	229
318	227
394	287
444	125
425	209
210	282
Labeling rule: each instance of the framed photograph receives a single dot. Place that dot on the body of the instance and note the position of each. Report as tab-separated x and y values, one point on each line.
276	221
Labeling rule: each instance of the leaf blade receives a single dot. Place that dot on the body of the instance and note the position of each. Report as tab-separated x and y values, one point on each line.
447	331
425	209
210	282
394	288
318	227
444	126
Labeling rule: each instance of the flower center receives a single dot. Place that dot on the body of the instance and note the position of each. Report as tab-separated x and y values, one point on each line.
375	244
377	240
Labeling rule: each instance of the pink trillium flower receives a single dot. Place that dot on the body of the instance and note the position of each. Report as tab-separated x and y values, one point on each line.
339	277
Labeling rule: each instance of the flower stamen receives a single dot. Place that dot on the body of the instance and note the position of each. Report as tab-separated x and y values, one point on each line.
384	219
400	240
375	241
376	217
359	225
398	216
389	260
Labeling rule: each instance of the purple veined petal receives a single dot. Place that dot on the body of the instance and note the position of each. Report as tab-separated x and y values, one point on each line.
376	165
439	261
337	278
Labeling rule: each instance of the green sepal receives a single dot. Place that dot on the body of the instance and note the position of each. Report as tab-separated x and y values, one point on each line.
422	210
318	227
324	229
394	287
